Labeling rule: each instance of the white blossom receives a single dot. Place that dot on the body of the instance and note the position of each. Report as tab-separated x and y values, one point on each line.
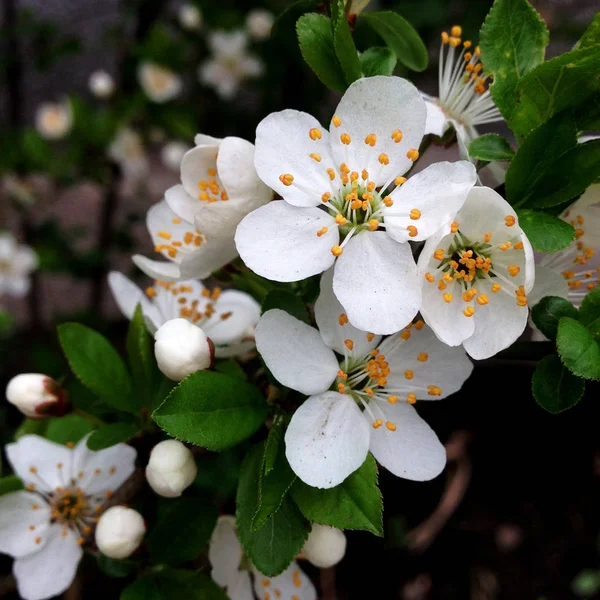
171	468
190	17
54	120
127	150
361	392
172	154
345	200
325	546
259	23
232	570
45	526
159	83
476	275
37	396
231	63
101	84
17	261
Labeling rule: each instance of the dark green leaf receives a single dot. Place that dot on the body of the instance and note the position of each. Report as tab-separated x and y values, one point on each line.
377	61
109	435
354	504
145	588
182	530
10	484
554	387
545	232
274	546
591	36
212	410
272	447
400	36
288	302
115	568
547	313
513	41
343	43
231	367
491	146
589	312
578	349
70	428
315	36
98	366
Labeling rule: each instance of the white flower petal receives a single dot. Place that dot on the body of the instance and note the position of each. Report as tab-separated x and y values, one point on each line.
240	587
292	583
437	123
375	280
295	353
50	571
17	516
327	439
413	451
379	106
200	139
182	205
195	166
127	295
547	283
224	551
157	269
327	313
245	312
280	242
283	147
437	192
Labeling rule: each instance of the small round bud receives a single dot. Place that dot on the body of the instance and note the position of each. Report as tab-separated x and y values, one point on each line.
259	23
119	532
37	396
182	348
171	468
325	546
190	17
53	121
101	84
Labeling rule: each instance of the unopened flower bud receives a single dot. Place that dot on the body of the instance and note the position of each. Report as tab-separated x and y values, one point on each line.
182	348
325	546
171	468
101	84
259	23
119	532
190	17
37	396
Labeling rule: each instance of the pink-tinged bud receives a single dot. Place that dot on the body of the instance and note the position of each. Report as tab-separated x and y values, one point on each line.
37	396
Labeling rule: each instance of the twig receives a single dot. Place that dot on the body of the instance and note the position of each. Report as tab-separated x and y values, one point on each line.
328	589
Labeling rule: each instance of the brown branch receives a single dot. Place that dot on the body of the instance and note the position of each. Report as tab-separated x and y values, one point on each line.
328	589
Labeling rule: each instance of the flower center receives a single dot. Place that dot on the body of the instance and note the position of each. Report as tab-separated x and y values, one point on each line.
68	506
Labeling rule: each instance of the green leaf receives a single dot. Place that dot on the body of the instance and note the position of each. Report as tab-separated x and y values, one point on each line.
586	583
513	41
140	351
591	36
231	367
315	36
182	530
589	312
165	583
554	387
109	435
98	366
491	146
545	232
377	61
274	546
288	302
70	428
354	504
145	588
272	447
10	484
547	313
343	43
212	410
401	38
578	349
115	568
560	83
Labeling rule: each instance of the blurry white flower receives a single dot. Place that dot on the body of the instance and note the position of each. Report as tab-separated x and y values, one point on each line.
172	154
127	150
101	84
16	263
194	225
190	17
476	274
259	23
159	83
325	546
54	120
231	63
44	527
228	317
232	570
119	532
171	468
363	401
37	396
19	189
345	202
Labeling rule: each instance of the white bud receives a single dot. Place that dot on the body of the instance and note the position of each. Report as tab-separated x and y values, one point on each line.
259	23
53	121
325	546
182	348
172	153
37	396
119	532
171	468
190	17
101	84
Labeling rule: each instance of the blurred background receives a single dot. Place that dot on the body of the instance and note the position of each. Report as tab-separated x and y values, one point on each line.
99	100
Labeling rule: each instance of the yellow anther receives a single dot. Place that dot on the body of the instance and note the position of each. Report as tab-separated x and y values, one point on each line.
392	399
469	311
337	250
371	139
322	231
482	300
377	423
434	390
176	220
353	176
415	214
405	335
150	292
331	173
370	186
422	357
419	324
412	154
454	227
373	224
397	135
399	180
364	174
341	388
430	278
384	159
315	156
468	56
518	246
286	179
456	31
487	237
447	277
165	235
345	139
336	121
411	398
412	231
504	247
447	297
408	374
342	375
390	426
326	197
340	220
370	337
349	344
439	254
510	220
513	270
33	470
522	300
388	201
441	285
445	37
467	44
315	134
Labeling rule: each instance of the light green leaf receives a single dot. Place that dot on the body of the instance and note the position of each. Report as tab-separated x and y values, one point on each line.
586	584
109	435
70	428
315	36
377	61
513	41
547	313
554	387
98	366
274	546
9	484
591	36
545	232
212	410
354	504
343	43
490	147
589	312
288	302
401	38
577	348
